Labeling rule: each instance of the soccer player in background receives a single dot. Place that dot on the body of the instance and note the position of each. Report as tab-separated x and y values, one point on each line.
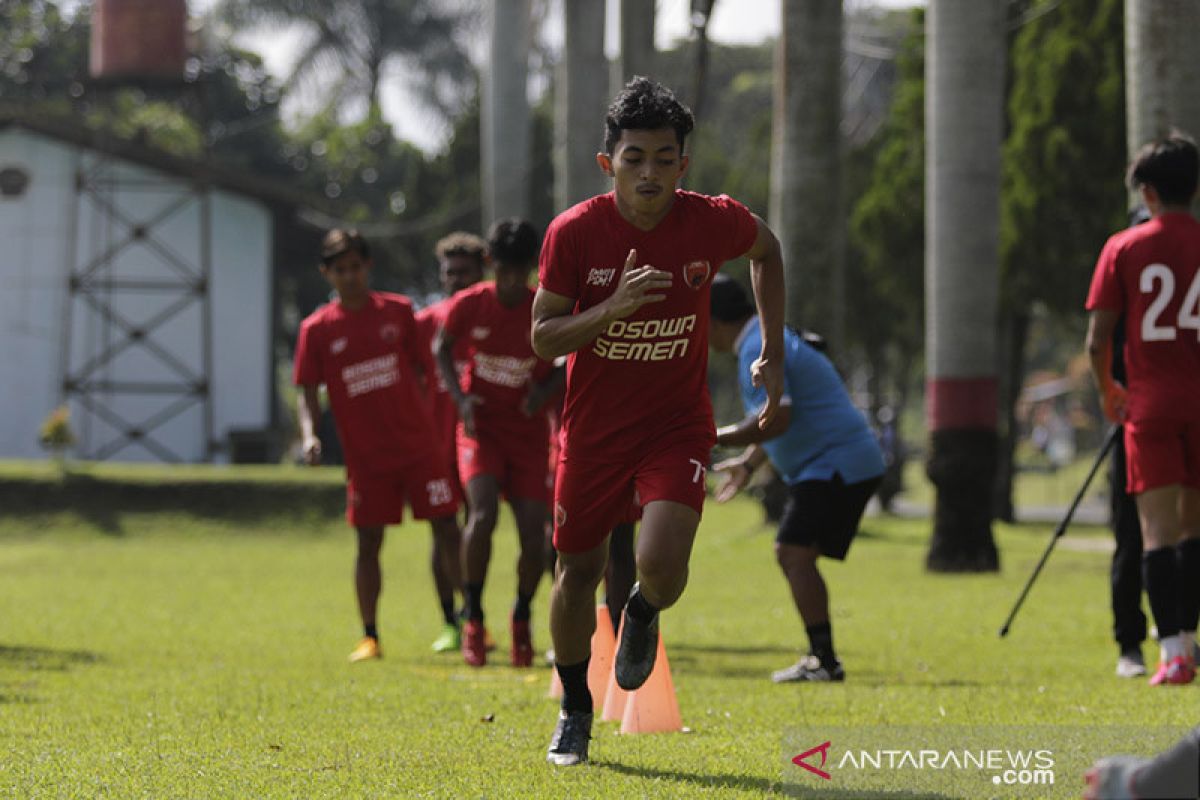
365	348
461	257
624	282
503	429
1151	274
821	446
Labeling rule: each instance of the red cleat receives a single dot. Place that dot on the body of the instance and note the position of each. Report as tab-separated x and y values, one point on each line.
1176	671
522	643
474	643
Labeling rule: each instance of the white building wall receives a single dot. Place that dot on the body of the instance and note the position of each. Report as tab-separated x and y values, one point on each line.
36	310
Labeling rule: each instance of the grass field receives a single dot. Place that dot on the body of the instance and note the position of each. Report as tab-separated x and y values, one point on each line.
201	653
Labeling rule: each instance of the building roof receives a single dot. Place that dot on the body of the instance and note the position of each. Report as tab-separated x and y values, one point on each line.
267	190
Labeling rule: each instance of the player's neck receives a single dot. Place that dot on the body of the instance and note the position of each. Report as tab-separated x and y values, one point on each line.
1172	210
511	295
354	302
640	220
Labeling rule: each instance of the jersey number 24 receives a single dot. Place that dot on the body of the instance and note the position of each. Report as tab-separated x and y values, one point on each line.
1189	311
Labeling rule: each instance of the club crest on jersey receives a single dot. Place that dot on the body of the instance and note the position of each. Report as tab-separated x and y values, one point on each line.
696	273
390	332
480	332
338	345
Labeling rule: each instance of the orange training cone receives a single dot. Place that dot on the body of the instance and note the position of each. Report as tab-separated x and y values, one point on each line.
604	646
614	696
653	708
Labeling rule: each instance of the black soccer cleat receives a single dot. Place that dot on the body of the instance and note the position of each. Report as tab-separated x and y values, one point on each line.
637	651
569	746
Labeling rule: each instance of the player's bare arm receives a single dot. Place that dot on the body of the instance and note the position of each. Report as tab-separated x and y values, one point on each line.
766	275
443	348
749	430
309	411
1101	326
557	332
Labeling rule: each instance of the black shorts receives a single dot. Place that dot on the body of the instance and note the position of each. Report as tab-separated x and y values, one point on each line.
825	514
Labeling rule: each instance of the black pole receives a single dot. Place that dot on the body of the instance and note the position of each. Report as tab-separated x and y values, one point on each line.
1109	440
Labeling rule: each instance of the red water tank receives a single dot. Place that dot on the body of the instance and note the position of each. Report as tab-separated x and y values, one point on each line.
139	39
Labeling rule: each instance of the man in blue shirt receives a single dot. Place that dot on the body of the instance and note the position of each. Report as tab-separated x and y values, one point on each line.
821	446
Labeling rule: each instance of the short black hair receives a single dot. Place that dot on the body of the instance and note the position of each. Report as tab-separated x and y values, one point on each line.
646	105
340	240
513	242
728	301
1171	165
461	243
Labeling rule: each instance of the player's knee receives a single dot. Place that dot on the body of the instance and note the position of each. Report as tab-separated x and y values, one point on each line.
791	557
578	575
482	519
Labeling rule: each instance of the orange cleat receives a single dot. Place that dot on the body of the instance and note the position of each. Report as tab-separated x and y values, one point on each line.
367	649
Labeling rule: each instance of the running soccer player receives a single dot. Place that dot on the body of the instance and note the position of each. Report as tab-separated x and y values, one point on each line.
1151	274
624	289
365	348
503	428
821	446
461	257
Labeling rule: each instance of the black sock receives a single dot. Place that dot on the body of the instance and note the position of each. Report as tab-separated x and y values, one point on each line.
473	594
820	641
1188	553
1160	571
520	609
637	607
576	695
371	631
448	613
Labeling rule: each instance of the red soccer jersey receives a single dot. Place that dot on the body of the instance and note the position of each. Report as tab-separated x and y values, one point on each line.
1150	274
429	319
370	360
646	375
502	365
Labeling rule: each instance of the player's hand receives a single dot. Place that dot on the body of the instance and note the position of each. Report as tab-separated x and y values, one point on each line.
735	476
533	401
466	412
636	287
312	451
1115	399
768	373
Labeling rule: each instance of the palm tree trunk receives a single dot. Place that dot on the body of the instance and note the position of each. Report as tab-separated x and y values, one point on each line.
1162	69
637	56
965	42
806	207
579	105
505	117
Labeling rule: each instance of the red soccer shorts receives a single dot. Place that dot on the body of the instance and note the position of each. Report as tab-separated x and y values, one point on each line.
1162	453
517	461
376	500
592	495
